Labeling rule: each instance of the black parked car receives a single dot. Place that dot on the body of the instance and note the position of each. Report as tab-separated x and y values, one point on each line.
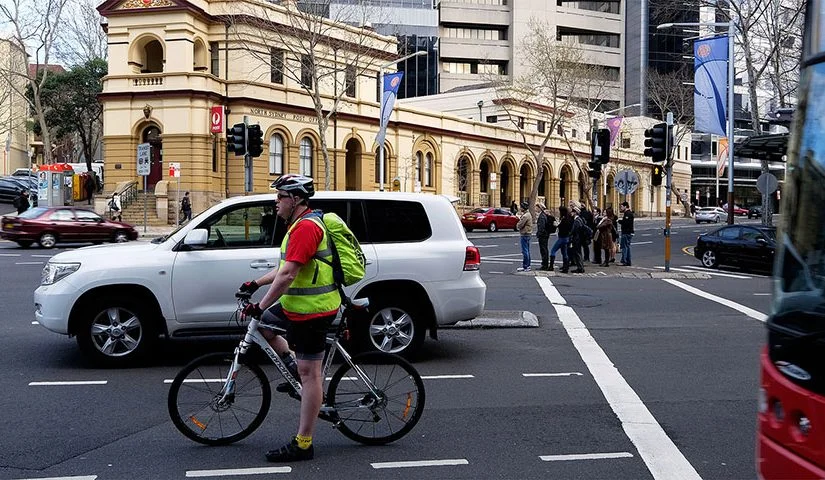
745	245
10	188
755	211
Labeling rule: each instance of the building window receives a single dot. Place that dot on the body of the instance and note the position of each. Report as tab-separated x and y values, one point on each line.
428	170
419	160
713	148
215	54
306	71
559	130
541	126
574	133
276	154
625	142
276	65
520	122
492	119
305	157
349	81
215	144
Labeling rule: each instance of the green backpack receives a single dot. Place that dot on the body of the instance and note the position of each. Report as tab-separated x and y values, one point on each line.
348	260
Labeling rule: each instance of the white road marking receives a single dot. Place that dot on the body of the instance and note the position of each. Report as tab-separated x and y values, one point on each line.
486	245
660	454
42	256
709	272
761	294
421	463
29	263
646	234
585	456
496	272
35	323
756	315
445	377
639	243
81	477
9	254
198	380
562	374
59	384
230	472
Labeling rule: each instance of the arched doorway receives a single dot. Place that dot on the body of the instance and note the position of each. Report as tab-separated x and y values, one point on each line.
525	182
151	135
353	164
484	182
462	176
505	197
545	186
566	192
585	192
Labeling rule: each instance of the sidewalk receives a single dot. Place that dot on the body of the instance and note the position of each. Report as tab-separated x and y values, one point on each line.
153	231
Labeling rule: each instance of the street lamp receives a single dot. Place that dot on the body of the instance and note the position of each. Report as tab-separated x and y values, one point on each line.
480	104
621	108
380	102
731	31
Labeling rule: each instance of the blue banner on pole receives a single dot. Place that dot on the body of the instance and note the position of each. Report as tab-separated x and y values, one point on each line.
391	83
710	84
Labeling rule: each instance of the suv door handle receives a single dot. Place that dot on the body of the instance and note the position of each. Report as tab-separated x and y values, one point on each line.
262	264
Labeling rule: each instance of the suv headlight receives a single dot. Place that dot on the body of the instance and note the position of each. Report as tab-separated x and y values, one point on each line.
53	272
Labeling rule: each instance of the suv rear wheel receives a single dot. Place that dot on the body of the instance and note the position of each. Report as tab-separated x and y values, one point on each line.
394	328
116	331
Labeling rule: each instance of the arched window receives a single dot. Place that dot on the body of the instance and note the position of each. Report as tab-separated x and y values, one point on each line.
428	171
152	57
305	157
419	160
276	153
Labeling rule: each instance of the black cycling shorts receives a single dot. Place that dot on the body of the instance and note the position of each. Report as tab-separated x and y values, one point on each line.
307	338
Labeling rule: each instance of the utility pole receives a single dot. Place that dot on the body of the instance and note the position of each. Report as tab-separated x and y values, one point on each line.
668	185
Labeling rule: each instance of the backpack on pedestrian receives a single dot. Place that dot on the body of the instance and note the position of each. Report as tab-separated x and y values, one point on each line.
348	259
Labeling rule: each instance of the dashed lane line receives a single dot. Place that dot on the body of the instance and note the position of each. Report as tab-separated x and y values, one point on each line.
234	472
756	315
9	254
585	456
29	263
421	463
67	383
81	477
560	374
660	454
423	377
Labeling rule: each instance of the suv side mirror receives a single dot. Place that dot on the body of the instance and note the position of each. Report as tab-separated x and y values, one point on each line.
196	238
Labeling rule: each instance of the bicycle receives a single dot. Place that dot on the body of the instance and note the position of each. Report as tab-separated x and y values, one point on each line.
359	401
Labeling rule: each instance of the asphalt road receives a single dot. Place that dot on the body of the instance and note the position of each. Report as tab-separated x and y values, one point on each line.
534	403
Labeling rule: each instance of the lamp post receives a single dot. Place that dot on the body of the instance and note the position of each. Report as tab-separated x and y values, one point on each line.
480	104
622	108
380	103
731	31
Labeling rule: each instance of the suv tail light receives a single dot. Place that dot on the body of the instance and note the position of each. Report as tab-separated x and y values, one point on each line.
472	259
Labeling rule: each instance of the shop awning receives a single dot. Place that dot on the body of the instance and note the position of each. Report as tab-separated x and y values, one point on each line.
763	147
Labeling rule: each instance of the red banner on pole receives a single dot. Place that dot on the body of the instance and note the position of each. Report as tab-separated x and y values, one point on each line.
216	119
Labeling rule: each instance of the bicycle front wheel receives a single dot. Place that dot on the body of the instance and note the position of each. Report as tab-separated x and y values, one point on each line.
201	411
376	419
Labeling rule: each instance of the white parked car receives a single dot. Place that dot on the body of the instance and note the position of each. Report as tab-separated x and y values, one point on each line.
710	214
118	300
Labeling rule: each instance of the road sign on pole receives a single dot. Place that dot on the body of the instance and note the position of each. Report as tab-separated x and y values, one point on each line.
767	183
174	172
626	182
144	159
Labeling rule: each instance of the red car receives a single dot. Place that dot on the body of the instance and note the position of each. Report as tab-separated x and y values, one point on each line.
50	225
491	219
737	210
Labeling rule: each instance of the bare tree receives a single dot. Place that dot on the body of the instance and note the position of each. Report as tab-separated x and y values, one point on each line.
558	86
82	38
319	45
34	26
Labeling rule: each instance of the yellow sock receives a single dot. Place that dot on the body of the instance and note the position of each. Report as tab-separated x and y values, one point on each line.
303	442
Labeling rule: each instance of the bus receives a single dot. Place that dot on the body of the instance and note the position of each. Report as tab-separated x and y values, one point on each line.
790	440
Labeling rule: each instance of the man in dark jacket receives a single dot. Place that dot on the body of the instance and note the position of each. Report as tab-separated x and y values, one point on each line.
545	226
587	217
627	232
21	203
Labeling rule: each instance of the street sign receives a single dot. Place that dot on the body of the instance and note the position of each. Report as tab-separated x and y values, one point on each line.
626	182
144	162
766	183
684	197
216	119
174	170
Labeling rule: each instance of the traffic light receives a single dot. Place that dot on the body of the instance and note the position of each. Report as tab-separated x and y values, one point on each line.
656	176
600	146
658	142
595	170
236	139
255	140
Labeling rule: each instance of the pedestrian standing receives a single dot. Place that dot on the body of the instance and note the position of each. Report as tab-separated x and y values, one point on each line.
603	239
587	217
627	232
565	226
21	203
513	208
579	234
89	185
597	251
525	229
114	208
186	208
545	225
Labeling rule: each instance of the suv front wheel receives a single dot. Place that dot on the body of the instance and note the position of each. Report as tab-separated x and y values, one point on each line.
394	329
115	332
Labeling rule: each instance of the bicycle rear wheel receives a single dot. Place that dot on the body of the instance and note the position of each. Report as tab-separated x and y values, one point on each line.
195	404
370	419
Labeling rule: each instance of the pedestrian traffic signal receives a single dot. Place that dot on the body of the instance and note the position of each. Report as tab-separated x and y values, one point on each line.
600	146
656	176
255	140
595	170
658	141
236	139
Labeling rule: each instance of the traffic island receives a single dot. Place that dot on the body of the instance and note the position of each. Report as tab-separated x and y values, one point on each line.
500	319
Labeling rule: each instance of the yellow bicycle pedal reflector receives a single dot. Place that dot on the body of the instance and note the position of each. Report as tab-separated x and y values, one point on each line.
200	425
407	408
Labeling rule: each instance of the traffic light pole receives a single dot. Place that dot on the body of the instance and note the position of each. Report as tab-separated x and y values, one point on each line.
668	185
247	159
594	138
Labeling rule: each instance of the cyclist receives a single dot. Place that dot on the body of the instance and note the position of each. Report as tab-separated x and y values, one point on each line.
307	303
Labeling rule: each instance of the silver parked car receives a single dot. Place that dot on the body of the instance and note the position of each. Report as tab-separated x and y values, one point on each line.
710	214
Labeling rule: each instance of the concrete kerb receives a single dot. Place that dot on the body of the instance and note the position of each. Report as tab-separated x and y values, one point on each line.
500	319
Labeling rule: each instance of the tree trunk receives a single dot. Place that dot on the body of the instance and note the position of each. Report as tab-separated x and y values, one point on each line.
322	131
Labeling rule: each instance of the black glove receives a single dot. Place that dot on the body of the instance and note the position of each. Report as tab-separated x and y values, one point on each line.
252	310
249	287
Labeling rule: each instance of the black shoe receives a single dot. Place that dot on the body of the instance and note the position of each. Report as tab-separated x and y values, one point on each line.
578	270
290	452
286	387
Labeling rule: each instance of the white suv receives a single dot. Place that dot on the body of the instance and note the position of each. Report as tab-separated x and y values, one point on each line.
118	300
